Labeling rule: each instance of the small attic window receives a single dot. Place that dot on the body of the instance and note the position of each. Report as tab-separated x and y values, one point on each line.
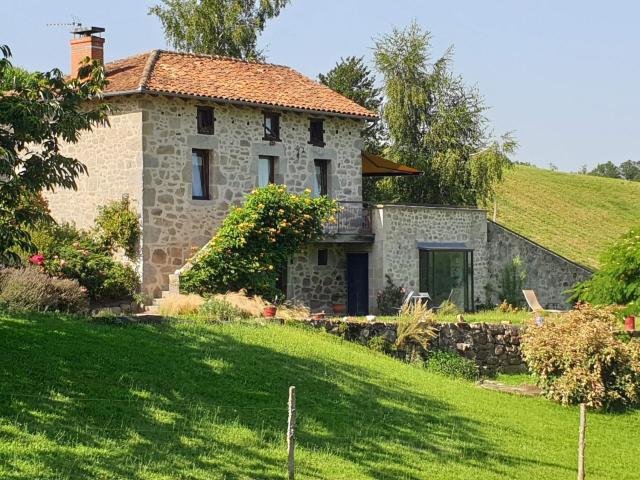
206	120
271	126
316	132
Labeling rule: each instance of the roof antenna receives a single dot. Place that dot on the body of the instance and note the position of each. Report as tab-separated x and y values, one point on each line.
75	22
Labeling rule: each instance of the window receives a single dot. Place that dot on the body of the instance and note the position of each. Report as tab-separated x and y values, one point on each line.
447	274
323	256
321	178
205	120
266	170
271	126
200	174
316	132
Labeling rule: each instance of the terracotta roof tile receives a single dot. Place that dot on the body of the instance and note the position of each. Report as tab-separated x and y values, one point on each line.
226	79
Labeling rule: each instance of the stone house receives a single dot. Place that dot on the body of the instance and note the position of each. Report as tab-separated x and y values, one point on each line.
191	135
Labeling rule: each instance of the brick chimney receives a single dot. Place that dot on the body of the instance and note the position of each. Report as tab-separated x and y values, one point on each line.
85	44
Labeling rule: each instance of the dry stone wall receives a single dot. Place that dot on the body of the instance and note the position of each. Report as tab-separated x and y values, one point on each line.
493	347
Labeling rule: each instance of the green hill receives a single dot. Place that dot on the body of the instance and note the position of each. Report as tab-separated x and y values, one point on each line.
208	401
574	215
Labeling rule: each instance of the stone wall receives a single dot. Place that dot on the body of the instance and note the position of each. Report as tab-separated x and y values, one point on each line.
494	348
113	157
548	273
321	286
399	229
175	225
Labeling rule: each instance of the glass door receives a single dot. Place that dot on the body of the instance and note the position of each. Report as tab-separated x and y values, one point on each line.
448	274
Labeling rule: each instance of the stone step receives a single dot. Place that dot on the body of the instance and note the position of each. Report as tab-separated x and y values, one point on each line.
152	309
167	293
157	301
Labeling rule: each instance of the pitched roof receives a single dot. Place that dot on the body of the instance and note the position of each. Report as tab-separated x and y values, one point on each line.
226	79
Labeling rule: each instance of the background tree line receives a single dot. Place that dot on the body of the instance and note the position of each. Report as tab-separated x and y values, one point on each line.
627	170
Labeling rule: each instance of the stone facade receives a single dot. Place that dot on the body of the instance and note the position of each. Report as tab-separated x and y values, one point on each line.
493	348
400	229
548	273
113	157
146	154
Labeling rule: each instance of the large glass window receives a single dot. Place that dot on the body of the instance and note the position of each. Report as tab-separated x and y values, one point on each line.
199	174
266	170
321	178
448	274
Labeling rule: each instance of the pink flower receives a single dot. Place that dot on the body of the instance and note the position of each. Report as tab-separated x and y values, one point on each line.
83	289
37	259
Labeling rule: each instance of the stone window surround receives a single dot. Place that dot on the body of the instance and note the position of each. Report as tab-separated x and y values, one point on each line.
209	143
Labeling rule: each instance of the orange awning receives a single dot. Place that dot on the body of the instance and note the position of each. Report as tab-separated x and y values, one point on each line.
376	166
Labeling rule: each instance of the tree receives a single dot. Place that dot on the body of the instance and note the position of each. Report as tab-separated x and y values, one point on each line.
353	79
630	170
435	124
618	280
608	169
217	27
36	115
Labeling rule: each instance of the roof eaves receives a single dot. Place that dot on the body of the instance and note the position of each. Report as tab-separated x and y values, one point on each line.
244	103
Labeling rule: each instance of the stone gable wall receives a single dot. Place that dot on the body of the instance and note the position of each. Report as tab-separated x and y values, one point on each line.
549	274
399	229
113	157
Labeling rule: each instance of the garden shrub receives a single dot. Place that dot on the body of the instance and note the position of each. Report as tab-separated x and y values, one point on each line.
415	330
618	279
512	278
452	365
390	298
32	289
222	311
581	357
448	308
74	254
380	344
255	241
117	225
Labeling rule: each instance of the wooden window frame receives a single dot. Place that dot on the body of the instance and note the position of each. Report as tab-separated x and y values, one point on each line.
271	136
205	173
208	129
324	166
272	167
318	139
323	257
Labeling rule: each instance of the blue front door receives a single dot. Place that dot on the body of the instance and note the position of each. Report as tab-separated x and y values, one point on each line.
358	283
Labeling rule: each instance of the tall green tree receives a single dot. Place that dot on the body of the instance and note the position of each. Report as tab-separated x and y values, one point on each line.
353	79
608	169
630	170
436	124
38	112
217	27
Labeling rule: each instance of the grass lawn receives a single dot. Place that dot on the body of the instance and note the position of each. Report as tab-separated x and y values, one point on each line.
575	215
488	316
181	400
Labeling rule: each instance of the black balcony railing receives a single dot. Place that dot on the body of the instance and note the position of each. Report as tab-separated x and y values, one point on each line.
353	218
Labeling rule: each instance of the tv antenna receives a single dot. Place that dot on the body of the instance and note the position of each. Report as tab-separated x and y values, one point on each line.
75	22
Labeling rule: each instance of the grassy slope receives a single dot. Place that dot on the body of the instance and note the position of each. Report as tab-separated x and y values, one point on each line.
81	400
574	215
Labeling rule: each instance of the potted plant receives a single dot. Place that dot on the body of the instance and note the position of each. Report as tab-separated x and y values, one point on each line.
339	308
270	311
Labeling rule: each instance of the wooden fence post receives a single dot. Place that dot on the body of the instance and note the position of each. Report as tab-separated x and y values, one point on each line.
581	441
291	431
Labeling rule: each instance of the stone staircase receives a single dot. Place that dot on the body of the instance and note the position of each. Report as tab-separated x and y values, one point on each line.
173	289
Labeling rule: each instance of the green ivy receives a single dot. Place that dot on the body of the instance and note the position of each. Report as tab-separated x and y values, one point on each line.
255	241
117	225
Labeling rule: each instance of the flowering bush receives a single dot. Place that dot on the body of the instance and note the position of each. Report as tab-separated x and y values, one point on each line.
117	225
69	253
579	358
255	241
390	299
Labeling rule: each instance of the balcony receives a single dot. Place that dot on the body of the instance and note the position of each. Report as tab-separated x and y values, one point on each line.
353	224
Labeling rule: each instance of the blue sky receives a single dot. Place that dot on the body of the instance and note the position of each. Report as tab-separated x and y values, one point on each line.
563	75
